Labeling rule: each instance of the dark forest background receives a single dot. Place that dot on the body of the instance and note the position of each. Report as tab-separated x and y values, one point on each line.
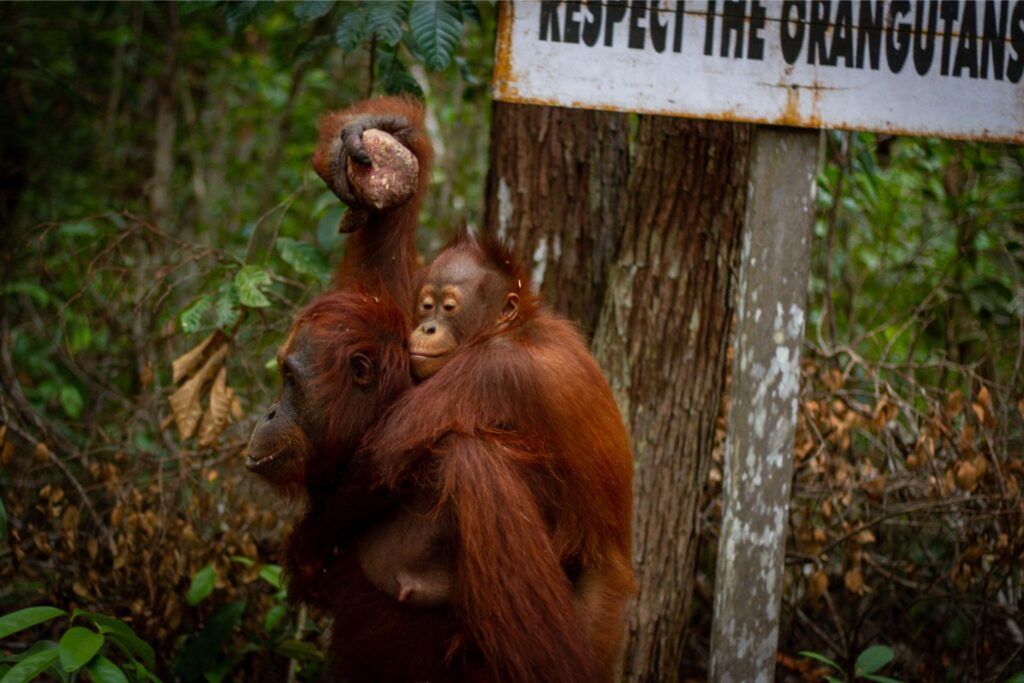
156	190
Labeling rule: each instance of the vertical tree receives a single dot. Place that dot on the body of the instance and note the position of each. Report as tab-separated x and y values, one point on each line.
641	246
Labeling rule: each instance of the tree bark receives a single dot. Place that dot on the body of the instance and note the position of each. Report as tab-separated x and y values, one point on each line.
662	339
651	271
555	190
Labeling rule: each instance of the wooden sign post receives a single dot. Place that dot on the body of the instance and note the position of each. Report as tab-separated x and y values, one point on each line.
950	69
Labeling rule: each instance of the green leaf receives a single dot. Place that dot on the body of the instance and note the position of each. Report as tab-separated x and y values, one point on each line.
820	658
24	618
192	317
103	670
249	283
202	585
243	560
271	573
205	652
1016	678
121	634
351	30
226	311
273	618
881	679
327	229
298	649
872	659
311	10
833	679
79	229
385	20
77	646
241	13
30	667
71	401
29	289
470	11
304	258
394	77
437	27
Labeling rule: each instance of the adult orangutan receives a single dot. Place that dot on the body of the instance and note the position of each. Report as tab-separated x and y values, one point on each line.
475	519
500	520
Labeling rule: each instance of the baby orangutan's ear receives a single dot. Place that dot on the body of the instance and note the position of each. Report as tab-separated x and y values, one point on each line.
362	368
510	310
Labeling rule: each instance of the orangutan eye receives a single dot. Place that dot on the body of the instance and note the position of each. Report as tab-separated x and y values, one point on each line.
449	306
427	306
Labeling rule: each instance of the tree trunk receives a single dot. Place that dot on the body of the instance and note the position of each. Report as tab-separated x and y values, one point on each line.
662	339
555	190
656	286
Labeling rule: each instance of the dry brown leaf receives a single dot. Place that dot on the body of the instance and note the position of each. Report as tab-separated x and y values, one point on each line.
185	364
80	590
92	547
185	401
69	521
817	584
7	455
854	581
884	413
217	412
42	452
1020	407
985	398
236	405
955	403
967	476
864	537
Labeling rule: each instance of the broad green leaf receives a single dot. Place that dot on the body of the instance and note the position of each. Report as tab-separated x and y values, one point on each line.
30	667
103	670
240	13
80	229
249	284
29	289
202	585
872	659
226	311
121	634
394	77
243	560
820	658
1016	678
351	30
205	652
437	27
24	618
271	573
470	11
304	258
833	679
880	679
311	10
71	401
273	618
385	20
192	317
298	649
77	646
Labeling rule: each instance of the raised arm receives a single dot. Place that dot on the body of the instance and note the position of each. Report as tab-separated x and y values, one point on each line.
382	244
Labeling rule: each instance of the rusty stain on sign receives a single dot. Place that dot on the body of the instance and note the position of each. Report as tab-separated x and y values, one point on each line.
944	69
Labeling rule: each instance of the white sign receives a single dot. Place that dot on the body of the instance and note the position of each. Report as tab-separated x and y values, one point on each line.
951	69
